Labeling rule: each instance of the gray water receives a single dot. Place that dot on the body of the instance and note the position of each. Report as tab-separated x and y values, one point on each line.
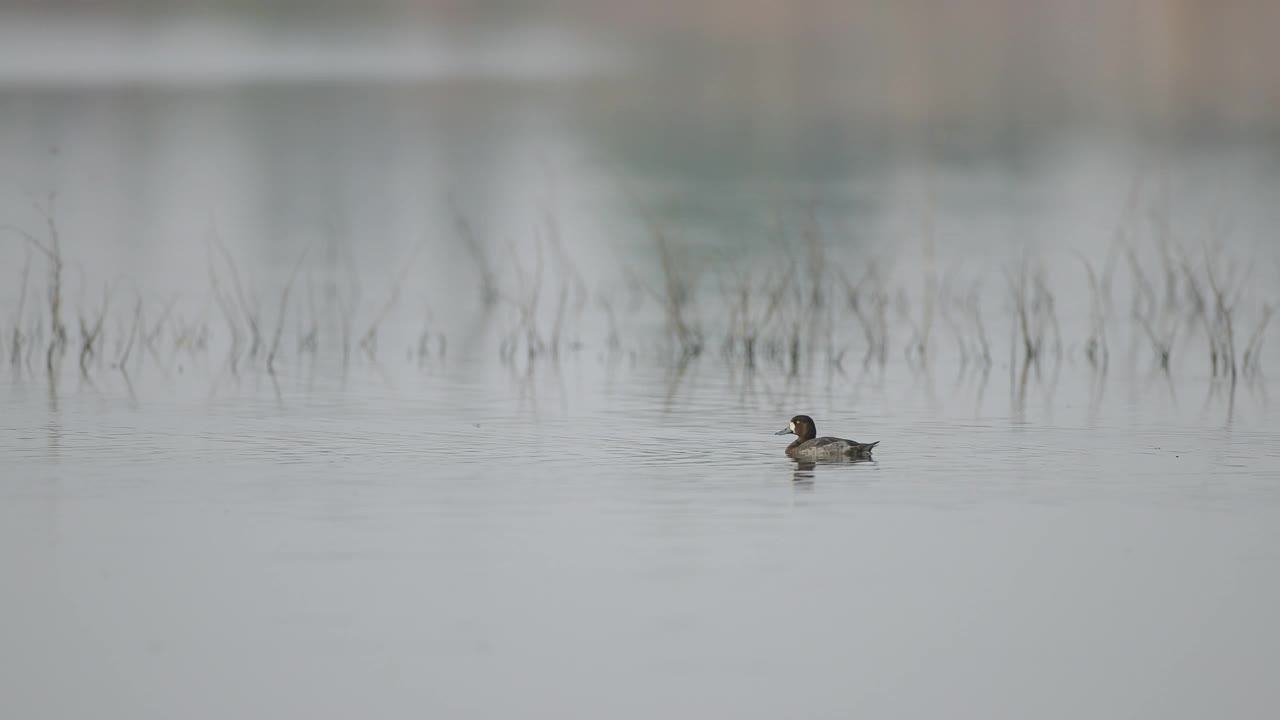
446	525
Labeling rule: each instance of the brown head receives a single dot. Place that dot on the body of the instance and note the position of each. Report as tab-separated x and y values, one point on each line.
801	426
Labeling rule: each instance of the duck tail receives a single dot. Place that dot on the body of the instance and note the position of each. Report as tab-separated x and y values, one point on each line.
871	446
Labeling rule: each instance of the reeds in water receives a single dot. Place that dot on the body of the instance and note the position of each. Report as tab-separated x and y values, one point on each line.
814	300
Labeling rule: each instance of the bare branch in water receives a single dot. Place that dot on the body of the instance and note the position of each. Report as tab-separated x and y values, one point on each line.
369	341
18	338
284	307
475	248
133	334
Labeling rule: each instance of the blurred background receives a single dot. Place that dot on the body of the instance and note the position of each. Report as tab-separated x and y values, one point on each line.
523	177
284	121
399	357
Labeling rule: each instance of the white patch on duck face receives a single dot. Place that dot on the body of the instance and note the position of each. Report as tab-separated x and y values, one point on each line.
793	425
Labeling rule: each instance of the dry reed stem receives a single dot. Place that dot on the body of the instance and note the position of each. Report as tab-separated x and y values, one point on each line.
284	307
369	341
475	249
18	337
246	309
133	333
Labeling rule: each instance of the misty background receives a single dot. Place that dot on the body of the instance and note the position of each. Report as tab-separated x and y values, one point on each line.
424	358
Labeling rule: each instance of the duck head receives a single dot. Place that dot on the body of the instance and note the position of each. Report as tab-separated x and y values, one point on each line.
802	426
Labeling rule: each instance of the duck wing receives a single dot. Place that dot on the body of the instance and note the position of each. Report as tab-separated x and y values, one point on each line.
852	445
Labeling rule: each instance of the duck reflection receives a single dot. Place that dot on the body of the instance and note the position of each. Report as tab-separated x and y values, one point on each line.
806	472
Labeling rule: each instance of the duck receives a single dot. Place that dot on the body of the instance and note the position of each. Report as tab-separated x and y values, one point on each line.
808	446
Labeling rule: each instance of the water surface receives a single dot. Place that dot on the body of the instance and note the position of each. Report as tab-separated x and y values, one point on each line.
441	523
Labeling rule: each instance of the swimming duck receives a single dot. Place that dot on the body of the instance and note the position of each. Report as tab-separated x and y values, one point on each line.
808	446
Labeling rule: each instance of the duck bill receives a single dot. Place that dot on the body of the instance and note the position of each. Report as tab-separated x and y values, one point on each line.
784	431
